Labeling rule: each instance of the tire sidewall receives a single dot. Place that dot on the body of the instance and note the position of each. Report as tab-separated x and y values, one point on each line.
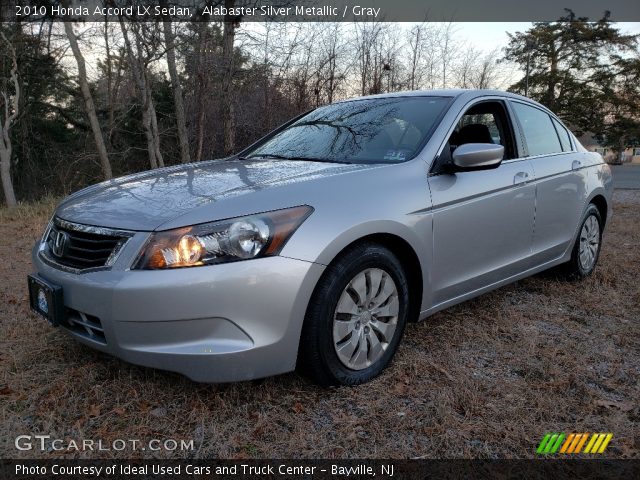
592	211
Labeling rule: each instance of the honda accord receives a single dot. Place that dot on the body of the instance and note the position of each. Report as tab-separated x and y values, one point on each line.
314	247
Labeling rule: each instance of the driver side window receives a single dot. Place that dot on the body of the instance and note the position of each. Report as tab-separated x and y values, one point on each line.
485	122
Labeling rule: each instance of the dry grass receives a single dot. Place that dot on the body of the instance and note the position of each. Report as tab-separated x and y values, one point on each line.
484	379
37	211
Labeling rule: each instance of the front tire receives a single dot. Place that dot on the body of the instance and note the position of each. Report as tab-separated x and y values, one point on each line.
586	249
356	317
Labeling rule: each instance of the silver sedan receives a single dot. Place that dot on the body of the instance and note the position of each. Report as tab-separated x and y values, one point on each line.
316	245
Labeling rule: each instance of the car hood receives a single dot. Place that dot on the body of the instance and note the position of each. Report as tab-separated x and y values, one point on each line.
145	201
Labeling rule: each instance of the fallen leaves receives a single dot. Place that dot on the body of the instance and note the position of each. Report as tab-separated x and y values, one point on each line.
158	412
609	404
94	411
5	391
442	371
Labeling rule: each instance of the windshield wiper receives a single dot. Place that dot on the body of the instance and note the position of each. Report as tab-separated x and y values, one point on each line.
315	159
283	157
265	155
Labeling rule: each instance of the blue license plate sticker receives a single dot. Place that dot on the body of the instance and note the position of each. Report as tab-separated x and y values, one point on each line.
43	302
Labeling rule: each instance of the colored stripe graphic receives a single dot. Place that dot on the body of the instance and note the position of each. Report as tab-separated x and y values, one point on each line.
581	443
550	443
557	444
543	443
596	445
591	442
567	443
605	442
573	443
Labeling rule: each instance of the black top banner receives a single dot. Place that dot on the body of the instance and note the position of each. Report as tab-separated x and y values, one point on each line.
316	10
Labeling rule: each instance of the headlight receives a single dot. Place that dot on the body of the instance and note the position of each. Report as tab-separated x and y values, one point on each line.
254	236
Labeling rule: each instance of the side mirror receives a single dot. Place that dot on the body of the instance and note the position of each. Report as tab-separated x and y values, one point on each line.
477	156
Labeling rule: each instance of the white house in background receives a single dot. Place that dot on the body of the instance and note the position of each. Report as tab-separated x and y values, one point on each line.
630	155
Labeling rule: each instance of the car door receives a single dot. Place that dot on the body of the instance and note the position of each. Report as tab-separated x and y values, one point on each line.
560	180
482	220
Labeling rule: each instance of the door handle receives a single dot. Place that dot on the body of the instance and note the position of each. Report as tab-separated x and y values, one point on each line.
576	164
520	177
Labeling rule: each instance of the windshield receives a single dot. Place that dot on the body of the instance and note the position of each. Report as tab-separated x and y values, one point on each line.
387	130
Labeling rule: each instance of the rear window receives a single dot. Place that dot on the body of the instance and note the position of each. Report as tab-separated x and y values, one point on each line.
565	140
538	130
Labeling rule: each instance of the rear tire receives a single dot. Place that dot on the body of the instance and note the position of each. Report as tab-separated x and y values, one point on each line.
586	250
356	317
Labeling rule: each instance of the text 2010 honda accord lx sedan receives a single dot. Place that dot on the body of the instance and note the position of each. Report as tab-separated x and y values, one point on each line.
317	244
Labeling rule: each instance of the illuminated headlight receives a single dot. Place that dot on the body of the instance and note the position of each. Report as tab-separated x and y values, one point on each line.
254	236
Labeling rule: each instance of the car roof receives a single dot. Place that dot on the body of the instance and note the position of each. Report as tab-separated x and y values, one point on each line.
470	94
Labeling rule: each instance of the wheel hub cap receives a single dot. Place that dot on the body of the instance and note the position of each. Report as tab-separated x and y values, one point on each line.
365	318
589	242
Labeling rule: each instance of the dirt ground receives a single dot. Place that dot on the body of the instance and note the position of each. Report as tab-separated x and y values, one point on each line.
484	379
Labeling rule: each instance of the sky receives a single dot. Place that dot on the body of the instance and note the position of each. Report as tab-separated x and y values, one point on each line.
490	35
484	36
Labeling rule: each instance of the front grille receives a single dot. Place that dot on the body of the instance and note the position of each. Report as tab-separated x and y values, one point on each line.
81	247
85	325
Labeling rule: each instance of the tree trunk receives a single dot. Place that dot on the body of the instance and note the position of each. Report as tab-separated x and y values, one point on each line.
550	100
109	72
5	171
148	112
183	139
89	106
227	113
148	101
151	149
621	149
10	103
202	77
154	125
200	135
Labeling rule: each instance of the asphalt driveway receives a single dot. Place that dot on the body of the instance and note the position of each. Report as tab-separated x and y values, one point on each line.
626	176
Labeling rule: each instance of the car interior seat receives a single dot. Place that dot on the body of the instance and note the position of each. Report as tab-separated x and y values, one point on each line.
474	133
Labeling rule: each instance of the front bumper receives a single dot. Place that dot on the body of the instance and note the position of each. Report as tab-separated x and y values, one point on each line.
218	323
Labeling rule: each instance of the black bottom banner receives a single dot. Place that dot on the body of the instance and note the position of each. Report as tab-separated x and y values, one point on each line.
319	469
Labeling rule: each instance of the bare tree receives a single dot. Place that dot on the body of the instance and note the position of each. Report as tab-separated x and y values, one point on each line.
109	73
415	44
149	120
11	112
89	106
202	84
447	47
368	37
183	138
228	65
475	69
465	70
487	72
334	66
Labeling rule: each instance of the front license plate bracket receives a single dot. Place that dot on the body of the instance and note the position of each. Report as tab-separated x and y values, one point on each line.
46	299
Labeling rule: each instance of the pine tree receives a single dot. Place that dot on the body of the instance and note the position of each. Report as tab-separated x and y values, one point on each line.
586	72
